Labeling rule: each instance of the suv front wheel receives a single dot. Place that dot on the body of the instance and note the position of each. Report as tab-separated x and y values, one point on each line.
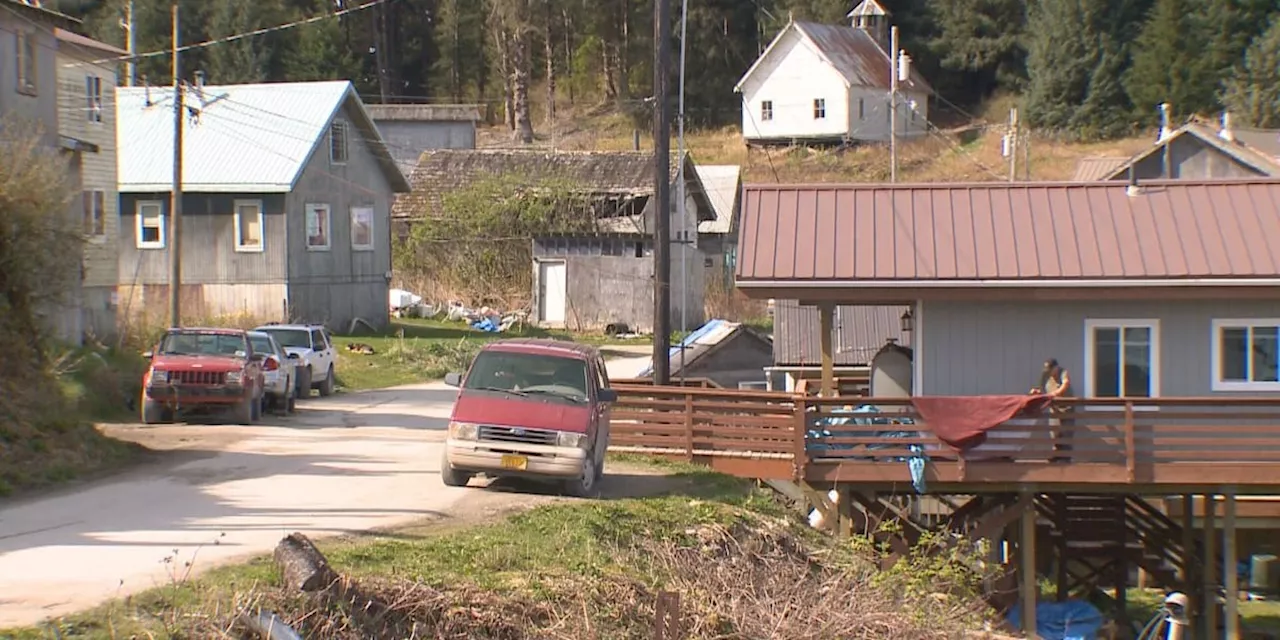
326	387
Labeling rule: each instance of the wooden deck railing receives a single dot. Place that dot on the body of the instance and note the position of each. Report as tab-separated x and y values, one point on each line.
1132	436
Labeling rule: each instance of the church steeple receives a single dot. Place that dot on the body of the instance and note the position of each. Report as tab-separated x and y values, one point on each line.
872	17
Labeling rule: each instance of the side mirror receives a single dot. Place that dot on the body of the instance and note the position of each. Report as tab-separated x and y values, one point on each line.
147	355
608	395
294	356
453	379
240	354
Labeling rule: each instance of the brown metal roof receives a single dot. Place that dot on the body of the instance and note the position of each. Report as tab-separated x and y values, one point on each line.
1242	153
857	56
860	332
1097	168
1264	141
964	234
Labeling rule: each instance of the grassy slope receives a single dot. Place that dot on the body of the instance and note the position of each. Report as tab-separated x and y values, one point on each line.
57	442
936	158
522	554
416	351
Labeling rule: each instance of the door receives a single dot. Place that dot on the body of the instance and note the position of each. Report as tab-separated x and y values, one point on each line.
553	289
1122	359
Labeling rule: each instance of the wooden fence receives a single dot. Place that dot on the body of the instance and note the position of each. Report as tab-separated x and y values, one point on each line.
813	431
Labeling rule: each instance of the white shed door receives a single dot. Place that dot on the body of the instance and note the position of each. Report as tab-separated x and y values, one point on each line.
553	279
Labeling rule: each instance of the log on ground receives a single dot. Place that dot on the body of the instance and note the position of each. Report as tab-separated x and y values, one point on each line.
302	566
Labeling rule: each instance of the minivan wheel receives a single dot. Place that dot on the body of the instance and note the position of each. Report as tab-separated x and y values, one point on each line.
584	486
452	477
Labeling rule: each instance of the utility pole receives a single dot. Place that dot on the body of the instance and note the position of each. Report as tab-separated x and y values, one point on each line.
680	195
662	196
175	204
130	45
1013	144
893	104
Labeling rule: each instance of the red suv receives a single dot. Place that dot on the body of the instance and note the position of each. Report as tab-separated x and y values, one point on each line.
532	408
198	370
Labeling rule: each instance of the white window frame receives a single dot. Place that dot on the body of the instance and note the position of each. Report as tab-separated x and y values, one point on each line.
819	108
1151	324
335	128
262	227
766	110
138	224
357	246
312	208
93	98
1216	382
93	211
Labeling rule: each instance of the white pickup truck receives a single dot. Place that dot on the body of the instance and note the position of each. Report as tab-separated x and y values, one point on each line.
315	353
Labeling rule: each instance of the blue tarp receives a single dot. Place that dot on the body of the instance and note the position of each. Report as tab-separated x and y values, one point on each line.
1070	620
689	340
486	324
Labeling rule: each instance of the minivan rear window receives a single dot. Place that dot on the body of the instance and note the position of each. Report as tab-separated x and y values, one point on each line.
528	373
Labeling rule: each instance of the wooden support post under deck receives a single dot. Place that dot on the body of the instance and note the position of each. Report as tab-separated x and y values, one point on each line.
1188	544
1027	544
826	321
1209	604
1231	578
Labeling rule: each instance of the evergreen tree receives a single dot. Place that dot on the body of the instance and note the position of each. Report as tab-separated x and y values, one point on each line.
1170	62
1253	92
983	41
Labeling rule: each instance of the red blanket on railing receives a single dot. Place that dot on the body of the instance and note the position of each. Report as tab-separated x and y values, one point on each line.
963	421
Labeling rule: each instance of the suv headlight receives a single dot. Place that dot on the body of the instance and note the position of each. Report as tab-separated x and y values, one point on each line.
571	439
159	377
234	377
463	431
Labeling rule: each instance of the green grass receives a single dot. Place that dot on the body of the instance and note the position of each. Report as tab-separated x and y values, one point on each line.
526	554
415	351
47	435
1261	616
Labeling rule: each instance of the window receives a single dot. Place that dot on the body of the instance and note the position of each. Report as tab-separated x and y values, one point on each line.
26	58
95	214
318	227
766	110
248	225
93	97
338	142
1122	358
150	221
862	109
1246	355
319	341
819	108
362	228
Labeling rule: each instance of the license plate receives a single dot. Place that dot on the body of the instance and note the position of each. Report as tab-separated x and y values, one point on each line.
519	463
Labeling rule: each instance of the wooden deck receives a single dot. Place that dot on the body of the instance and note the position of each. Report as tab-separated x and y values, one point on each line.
1164	445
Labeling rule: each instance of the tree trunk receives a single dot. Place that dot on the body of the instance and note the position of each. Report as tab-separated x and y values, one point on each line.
550	51
568	52
520	63
302	566
504	65
607	69
624	54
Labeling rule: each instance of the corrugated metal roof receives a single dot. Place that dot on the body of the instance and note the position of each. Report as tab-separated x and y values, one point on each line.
853	52
723	183
1264	141
860	332
249	137
70	37
1097	168
872	235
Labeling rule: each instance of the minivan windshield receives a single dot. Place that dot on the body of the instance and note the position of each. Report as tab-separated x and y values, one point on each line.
527	374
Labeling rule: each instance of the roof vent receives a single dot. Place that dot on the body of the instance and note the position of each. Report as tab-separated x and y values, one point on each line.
1227	132
1134	189
1165	130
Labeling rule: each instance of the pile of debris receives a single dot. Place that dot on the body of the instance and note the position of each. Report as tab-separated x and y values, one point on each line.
406	304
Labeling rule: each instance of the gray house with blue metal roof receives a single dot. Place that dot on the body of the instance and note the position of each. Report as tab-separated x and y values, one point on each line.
287	193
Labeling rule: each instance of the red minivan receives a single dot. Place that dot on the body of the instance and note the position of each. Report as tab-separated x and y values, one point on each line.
530	408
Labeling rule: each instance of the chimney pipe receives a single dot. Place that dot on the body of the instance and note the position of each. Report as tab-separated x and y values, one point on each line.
1165	130
1227	132
1134	189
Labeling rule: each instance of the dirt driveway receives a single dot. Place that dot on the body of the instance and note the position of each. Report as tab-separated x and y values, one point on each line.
344	464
